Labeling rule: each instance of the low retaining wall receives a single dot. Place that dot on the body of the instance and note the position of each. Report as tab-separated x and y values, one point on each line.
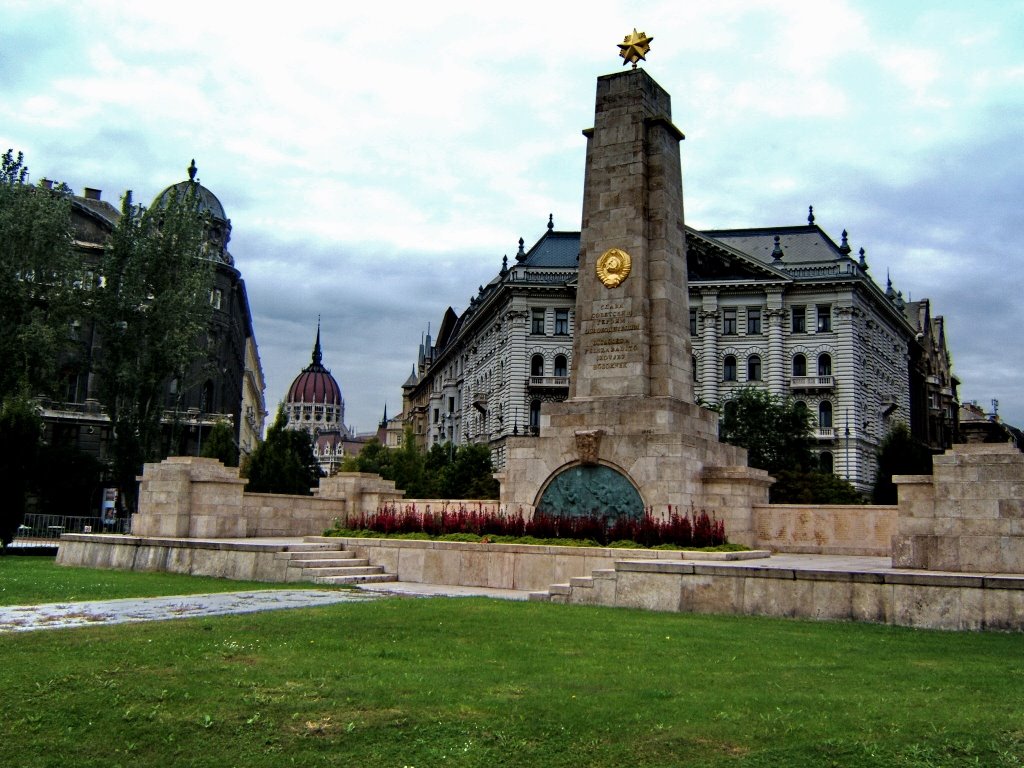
924	600
825	529
222	559
502	566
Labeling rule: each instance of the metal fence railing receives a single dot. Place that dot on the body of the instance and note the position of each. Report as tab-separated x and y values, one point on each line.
52	526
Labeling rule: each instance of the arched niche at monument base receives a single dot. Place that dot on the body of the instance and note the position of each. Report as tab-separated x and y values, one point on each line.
591	489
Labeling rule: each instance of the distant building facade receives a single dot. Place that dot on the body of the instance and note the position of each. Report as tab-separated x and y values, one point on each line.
314	405
783	308
226	384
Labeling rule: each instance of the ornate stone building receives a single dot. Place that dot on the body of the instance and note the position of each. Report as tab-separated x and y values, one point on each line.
784	308
314	405
225	384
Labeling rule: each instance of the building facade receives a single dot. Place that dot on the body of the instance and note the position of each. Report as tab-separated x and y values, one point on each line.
225	384
314	405
783	308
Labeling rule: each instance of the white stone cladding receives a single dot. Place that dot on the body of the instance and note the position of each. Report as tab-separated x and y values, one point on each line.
484	369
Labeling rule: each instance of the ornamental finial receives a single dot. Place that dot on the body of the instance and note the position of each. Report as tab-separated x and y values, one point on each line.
192	170
635	47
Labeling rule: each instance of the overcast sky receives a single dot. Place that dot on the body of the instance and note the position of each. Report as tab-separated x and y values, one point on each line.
377	161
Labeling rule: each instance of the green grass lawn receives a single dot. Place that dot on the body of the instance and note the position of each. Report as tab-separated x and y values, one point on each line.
34	580
473	682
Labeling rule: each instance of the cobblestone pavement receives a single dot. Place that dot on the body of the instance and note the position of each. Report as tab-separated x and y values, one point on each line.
23	618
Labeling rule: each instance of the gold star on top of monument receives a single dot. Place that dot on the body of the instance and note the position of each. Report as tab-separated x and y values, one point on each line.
634	47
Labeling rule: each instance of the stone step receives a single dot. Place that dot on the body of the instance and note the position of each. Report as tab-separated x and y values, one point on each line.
326	554
333	562
369	578
315	547
559	589
584	582
357	570
540	597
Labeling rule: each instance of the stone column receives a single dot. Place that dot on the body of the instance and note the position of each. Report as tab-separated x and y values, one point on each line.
711	373
778	366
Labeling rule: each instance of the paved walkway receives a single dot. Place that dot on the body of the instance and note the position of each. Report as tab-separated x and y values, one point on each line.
24	618
21	618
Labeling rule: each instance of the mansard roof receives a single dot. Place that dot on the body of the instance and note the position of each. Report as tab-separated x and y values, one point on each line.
560	250
800	245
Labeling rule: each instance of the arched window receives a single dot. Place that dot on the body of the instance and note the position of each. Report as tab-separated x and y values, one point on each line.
729	368
561	366
824	365
754	368
825	414
799	365
537	365
535	415
826	462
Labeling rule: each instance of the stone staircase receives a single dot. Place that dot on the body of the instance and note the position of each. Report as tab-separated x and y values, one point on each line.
330	563
580	590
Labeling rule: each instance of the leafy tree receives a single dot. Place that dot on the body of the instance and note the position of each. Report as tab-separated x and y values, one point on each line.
444	471
898	454
283	462
470	474
39	280
373	457
20	430
151	313
774	430
797	487
221	444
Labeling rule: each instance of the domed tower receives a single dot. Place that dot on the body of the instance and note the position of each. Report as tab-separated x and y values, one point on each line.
314	404
218	388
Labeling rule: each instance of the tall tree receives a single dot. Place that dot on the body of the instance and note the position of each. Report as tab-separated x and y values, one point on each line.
221	444
20	428
39	280
899	454
151	313
284	462
774	430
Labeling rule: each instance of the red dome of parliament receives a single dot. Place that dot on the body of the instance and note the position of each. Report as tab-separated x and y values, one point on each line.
315	384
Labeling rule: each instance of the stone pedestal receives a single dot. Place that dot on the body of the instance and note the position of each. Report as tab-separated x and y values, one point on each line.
187	496
968	516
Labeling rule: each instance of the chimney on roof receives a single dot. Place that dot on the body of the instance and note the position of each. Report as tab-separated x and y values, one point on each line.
46	183
92	194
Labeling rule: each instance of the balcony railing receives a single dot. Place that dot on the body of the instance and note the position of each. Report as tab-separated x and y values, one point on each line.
550	382
826	433
812	382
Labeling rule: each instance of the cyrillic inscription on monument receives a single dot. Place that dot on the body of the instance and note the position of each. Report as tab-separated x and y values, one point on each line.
610	343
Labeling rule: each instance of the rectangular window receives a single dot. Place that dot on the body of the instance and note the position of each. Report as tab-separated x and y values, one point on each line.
753	321
824	318
729	322
216	297
799	319
693	322
451	405
537	322
437	415
561	322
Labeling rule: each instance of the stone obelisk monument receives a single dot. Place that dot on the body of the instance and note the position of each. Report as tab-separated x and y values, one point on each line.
630	436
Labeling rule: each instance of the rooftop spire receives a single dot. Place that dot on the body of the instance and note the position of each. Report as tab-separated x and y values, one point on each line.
317	354
521	255
845	247
777	251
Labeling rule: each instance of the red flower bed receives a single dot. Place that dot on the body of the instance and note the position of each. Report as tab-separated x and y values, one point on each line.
678	529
